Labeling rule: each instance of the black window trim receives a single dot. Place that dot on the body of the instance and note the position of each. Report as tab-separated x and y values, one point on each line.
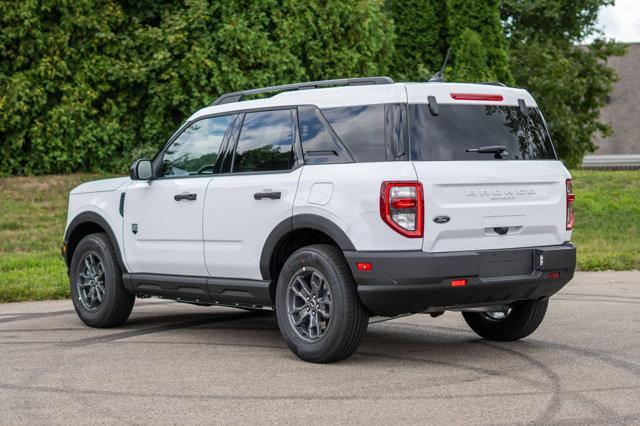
343	152
156	162
394	149
228	145
546	126
297	150
405	139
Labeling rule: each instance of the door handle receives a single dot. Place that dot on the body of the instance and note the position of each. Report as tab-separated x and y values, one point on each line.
271	195
189	197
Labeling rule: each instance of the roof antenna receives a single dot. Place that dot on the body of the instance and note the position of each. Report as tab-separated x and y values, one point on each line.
439	76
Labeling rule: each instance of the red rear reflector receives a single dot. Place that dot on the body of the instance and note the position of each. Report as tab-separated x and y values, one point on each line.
476	97
570	199
459	283
554	275
364	266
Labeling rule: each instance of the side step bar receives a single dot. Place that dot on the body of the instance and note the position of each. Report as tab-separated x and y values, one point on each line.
253	294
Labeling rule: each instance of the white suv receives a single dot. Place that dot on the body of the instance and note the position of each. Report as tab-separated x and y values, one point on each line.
348	199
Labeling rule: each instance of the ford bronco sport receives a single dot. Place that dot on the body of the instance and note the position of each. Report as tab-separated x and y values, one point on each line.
351	198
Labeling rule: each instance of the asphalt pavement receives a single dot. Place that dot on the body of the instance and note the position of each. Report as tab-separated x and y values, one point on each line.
177	363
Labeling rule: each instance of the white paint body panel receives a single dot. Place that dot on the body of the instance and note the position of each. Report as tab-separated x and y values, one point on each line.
528	197
417	93
236	225
355	203
103	198
102	185
169	238
320	193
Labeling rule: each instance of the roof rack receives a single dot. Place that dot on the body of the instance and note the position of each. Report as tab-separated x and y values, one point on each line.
362	81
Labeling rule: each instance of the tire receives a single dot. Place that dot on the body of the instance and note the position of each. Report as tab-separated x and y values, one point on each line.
522	320
116	303
348	317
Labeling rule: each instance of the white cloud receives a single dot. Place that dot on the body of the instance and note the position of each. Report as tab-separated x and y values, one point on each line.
622	21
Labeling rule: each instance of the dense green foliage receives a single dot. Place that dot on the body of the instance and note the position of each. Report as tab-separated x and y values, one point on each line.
421	38
570	82
425	29
88	85
477	41
533	44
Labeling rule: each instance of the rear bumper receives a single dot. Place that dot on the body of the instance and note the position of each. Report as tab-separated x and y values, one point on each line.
414	281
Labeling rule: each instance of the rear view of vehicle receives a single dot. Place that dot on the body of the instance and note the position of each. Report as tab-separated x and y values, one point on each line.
333	201
492	205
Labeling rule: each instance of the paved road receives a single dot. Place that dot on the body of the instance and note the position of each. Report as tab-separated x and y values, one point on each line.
184	364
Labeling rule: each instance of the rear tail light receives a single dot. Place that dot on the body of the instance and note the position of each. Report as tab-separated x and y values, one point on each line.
570	199
402	207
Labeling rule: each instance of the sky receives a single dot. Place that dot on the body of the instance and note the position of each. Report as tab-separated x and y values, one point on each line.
622	21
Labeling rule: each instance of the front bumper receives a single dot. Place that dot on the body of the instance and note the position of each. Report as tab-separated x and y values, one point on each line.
415	281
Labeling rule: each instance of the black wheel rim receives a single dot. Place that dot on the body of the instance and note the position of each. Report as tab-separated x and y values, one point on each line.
309	304
90	282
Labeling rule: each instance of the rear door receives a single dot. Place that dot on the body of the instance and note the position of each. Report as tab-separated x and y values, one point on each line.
253	195
487	200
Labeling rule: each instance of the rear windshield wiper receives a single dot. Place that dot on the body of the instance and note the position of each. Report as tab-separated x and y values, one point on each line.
497	150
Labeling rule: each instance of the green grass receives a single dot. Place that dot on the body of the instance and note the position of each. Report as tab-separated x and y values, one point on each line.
32	218
33	214
607	229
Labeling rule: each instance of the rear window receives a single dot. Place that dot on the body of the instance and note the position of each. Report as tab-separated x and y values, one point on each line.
456	128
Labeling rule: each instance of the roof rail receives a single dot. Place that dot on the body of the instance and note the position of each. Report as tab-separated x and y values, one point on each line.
362	81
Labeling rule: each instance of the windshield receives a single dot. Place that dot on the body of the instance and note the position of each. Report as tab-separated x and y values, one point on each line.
456	128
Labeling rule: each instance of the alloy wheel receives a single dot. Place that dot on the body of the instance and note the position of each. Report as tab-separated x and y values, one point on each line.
90	283
309	304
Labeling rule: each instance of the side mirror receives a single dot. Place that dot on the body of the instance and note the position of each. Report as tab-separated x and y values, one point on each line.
141	170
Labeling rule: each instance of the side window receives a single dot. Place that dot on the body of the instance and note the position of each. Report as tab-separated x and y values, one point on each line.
361	130
196	150
318	143
265	142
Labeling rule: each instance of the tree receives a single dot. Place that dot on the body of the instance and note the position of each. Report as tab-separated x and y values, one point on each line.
420	38
87	85
425	29
477	41
570	81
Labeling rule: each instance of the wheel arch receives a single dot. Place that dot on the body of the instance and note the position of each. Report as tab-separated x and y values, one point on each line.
301	229
84	224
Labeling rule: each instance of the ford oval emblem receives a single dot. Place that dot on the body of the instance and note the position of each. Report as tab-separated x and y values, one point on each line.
441	219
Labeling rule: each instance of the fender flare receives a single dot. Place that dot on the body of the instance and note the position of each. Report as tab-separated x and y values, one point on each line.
301	221
92	217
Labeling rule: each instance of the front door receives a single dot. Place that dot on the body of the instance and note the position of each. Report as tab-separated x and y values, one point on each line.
163	216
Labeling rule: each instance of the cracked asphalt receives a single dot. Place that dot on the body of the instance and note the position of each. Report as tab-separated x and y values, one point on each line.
176	363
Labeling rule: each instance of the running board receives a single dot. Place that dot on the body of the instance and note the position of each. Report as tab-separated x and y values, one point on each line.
201	290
